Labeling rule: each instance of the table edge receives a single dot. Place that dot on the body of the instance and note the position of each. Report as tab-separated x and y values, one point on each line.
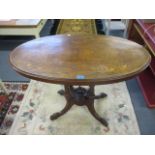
82	81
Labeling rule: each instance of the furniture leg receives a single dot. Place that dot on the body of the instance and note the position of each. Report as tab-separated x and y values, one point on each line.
62	112
37	35
102	95
61	92
92	110
80	96
91	107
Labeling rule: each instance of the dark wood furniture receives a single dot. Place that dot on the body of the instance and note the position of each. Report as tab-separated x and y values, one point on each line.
80	60
144	34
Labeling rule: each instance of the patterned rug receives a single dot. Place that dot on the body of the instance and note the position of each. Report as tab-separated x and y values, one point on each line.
41	100
9	104
86	26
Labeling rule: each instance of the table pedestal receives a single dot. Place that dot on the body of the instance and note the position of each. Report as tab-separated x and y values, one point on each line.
80	96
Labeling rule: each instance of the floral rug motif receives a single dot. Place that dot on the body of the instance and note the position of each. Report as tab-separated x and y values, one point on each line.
41	100
9	104
86	26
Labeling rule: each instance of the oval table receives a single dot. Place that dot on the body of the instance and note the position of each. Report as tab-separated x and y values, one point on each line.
78	60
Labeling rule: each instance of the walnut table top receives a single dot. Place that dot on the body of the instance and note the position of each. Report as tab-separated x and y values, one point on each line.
80	59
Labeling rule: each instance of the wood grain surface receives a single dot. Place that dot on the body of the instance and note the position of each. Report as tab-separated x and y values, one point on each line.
80	59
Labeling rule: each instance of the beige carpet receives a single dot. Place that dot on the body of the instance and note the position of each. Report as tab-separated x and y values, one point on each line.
41	100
